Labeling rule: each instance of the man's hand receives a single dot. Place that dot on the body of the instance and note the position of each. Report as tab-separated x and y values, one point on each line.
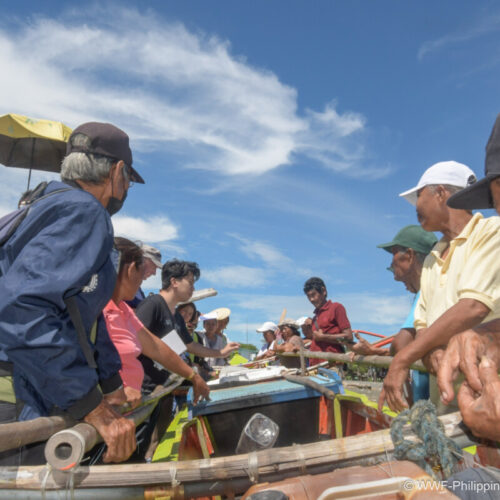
200	388
117	432
134	397
229	348
432	360
116	398
481	413
464	353
392	391
318	335
363	347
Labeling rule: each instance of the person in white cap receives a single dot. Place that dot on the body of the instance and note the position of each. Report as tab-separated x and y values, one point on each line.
460	277
268	330
152	262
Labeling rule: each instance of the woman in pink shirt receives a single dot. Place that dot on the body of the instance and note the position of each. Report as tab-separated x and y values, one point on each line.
129	335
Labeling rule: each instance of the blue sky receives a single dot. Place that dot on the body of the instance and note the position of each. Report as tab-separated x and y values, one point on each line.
274	136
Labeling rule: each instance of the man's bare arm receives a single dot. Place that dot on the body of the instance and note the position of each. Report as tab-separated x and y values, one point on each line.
465	314
332	338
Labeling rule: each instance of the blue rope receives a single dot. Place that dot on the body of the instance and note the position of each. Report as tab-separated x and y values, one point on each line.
434	447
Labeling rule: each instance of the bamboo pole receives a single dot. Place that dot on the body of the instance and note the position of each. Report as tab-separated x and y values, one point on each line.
263	465
16	434
380	361
308	382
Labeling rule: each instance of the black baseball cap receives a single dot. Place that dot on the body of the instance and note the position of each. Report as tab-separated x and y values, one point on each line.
106	140
479	195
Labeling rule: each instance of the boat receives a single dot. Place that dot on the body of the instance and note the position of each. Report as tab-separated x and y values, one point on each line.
197	457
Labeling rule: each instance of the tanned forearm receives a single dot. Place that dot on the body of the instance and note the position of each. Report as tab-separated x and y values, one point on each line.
491	327
333	338
202	351
465	314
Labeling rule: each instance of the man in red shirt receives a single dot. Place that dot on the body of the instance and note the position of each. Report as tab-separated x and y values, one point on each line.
330	324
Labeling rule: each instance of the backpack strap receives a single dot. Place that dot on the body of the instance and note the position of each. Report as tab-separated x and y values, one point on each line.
76	318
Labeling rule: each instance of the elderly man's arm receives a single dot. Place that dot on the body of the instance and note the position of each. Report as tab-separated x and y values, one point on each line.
466	313
464	353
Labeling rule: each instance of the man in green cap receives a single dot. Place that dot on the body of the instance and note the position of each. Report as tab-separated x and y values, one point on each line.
409	248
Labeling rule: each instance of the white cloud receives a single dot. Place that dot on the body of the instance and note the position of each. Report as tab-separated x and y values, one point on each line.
362	308
164	84
263	251
153	229
236	276
485	25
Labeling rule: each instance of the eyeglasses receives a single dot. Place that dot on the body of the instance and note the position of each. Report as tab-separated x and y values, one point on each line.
128	175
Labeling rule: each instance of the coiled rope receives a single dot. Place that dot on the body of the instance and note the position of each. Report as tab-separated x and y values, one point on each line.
434	450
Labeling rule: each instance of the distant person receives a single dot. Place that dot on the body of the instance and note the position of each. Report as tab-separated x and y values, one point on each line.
222	314
305	324
460	277
152	262
409	249
191	317
268	330
211	339
292	342
330	325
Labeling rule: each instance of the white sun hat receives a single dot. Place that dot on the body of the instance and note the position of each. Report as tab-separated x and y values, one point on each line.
267	326
451	173
210	315
302	320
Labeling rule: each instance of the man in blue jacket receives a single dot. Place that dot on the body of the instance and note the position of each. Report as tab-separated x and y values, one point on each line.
63	249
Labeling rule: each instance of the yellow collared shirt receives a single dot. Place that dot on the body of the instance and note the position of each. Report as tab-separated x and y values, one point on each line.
471	270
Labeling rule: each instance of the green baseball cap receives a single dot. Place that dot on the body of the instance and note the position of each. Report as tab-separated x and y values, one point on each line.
412	237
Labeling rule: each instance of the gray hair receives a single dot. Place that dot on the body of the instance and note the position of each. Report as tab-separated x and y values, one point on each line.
87	167
451	189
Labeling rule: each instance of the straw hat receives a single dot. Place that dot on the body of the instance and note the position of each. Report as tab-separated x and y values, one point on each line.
221	313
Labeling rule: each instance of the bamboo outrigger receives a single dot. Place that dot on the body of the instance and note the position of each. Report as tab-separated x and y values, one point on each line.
357	442
215	476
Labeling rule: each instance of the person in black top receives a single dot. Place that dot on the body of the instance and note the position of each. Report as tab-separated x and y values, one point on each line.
157	313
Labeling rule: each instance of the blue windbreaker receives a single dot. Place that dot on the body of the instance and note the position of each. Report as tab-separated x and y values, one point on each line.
62	248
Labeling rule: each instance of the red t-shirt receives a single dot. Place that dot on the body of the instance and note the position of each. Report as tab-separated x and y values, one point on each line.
331	317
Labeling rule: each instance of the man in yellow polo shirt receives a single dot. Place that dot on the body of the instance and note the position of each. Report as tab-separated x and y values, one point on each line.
460	278
476	352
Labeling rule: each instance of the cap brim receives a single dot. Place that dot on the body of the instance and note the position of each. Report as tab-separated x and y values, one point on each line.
135	177
387	246
156	262
410	195
477	195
